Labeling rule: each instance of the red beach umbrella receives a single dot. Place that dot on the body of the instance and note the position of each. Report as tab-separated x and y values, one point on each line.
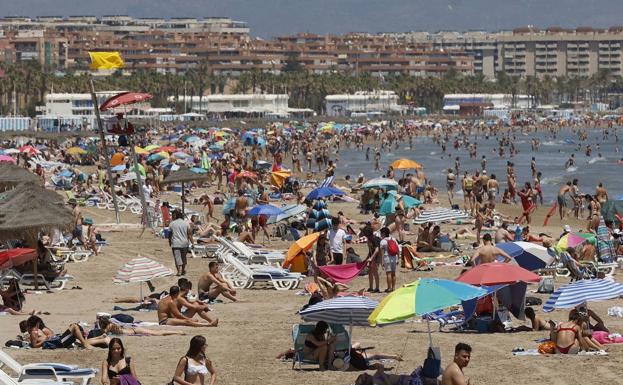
496	273
16	257
124	99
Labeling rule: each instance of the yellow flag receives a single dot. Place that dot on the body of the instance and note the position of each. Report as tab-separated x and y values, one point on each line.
105	60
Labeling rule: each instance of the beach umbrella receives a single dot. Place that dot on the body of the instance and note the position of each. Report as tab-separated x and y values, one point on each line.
151	147
11	151
118	168
141	269
165	149
322	192
117	159
347	310
192	138
140	151
578	292
574	240
216	147
426	295
495	273
6	159
302	245
405	164
278	178
181	154
268	210
246	174
409	201
183	175
388	205
381	183
199	170
28	149
128	176
15	257
528	255
439	214
11	175
76	151
124	99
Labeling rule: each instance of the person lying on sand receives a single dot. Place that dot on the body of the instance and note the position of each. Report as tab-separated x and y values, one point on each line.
108	327
169	313
40	335
537	322
381	377
212	284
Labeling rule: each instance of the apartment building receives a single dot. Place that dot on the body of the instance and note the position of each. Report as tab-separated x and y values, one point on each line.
529	51
221	45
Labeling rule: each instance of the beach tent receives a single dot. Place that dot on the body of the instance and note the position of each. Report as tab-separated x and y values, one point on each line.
117	159
295	257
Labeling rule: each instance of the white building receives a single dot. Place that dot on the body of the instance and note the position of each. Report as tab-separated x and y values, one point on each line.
75	111
499	101
268	105
363	103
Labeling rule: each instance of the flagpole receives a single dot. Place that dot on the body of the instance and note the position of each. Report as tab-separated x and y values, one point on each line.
100	127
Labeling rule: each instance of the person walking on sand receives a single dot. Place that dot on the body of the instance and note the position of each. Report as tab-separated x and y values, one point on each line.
453	374
180	239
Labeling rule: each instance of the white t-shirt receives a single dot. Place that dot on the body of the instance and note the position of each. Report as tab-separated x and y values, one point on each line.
336	240
384	247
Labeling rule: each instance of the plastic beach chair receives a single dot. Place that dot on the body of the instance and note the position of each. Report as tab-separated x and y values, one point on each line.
53	372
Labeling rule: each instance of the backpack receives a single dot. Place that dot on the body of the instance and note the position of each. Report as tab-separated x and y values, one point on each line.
392	247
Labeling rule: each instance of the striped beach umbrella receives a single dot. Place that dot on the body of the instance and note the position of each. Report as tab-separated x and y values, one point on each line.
348	310
578	292
141	269
439	214
528	255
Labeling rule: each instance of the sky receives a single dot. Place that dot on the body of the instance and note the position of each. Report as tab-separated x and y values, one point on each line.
269	18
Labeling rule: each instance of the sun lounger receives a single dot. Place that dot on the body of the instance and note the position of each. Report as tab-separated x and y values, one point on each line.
259	255
456	318
54	372
246	276
28	279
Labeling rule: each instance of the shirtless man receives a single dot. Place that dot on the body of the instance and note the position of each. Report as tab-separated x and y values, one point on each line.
192	308
169	314
488	252
450	182
503	235
453	374
241	206
601	193
221	286
560	199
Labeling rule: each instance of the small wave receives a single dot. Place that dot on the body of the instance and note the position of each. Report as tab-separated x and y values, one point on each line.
554	180
596	159
551	143
433	153
572	169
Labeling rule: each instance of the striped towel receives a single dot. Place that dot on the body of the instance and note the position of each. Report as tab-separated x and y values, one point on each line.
359	240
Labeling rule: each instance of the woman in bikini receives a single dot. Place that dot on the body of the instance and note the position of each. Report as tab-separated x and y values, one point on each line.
116	364
110	328
570	337
318	347
193	368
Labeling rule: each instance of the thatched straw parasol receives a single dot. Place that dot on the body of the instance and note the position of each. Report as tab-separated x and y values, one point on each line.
183	175
11	175
27	210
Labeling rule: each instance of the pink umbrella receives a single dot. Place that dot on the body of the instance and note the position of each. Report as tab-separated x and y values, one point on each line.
6	159
29	149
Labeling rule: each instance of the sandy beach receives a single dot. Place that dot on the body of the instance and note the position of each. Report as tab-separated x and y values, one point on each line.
252	332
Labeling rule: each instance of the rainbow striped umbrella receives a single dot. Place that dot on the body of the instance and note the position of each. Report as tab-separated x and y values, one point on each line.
141	269
574	240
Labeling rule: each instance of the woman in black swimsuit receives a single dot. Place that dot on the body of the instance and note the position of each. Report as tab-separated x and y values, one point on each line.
318	347
116	364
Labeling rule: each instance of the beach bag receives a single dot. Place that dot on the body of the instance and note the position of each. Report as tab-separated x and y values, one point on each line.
125	318
392	247
547	347
432	364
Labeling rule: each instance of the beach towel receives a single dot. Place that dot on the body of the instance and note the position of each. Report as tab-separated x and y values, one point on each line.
605	338
342	273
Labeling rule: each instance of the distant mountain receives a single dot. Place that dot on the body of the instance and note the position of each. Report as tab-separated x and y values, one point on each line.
268	18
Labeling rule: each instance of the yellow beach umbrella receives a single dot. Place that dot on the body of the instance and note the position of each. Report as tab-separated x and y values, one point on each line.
151	147
302	245
277	178
405	164
76	151
141	151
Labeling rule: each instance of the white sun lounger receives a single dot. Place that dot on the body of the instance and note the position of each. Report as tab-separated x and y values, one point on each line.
246	276
45	373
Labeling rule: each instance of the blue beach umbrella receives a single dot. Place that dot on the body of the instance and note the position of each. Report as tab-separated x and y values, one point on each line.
578	292
268	210
528	255
199	170
192	138
322	192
